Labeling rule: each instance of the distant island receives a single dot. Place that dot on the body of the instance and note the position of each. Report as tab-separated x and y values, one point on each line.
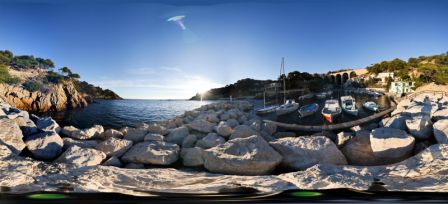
34	84
416	70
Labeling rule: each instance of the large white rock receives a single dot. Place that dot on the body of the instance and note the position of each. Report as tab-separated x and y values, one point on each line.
157	128
420	126
81	156
114	147
440	114
211	140
300	153
11	135
224	129
85	134
177	135
26	125
201	125
426	109
397	121
357	150
441	131
151	152
69	142
343	138
391	145
44	146
242	131
189	141
153	137
135	134
243	156
192	156
48	124
111	133
5	152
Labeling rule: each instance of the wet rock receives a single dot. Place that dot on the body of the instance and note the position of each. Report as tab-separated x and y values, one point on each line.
300	153
69	142
111	133
391	145
177	135
342	138
242	131
44	146
284	134
420	126
84	134
189	141
223	129
242	156
11	135
396	121
114	147
81	156
211	140
135	134
113	161
441	131
48	124
159	153
192	156
153	137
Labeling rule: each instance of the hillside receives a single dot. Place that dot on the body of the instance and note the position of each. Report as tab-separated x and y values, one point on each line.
32	84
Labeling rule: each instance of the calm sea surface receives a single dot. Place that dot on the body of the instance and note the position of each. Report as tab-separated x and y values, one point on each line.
120	113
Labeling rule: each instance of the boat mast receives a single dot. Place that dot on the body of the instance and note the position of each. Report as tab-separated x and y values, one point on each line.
282	72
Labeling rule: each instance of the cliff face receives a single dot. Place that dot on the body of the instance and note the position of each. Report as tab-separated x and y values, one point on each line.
56	98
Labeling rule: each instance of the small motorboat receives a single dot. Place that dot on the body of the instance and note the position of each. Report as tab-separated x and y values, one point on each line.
321	95
308	109
349	105
331	110
266	110
374	94
288	107
306	96
371	106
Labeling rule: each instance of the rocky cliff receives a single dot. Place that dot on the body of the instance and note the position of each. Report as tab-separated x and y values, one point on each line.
55	97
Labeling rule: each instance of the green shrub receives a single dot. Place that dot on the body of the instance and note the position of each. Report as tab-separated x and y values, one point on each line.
5	77
53	77
31	86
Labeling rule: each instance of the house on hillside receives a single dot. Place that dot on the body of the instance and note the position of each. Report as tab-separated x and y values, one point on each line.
382	77
399	88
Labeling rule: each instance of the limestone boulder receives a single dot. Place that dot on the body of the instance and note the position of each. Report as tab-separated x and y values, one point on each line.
113	161
81	156
111	133
201	125
300	153
358	151
11	135
232	123
114	147
270	128
192	156
157	128
284	134
84	134
45	145
48	124
223	129
26	125
242	131
441	114
242	156
391	145
134	166
342	138
441	131
69	142
153	137
211	140
189	141
420	126
5	152
177	135
151	152
397	121
135	134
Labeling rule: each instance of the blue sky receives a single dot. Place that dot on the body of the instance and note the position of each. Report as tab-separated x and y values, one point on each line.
131	48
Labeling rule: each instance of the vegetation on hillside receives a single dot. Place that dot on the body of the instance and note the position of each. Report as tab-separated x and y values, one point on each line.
427	68
62	75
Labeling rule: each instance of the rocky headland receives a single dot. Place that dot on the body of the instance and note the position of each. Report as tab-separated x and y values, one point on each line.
224	146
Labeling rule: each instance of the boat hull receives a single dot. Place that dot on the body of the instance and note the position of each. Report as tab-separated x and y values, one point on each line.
305	113
331	117
283	111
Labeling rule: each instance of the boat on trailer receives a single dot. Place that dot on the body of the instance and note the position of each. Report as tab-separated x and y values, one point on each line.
371	106
331	110
348	104
308	110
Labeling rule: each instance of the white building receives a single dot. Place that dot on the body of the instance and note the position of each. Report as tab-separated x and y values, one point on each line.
399	88
383	77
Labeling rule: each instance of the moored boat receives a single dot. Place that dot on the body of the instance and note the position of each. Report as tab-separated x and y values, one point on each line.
288	107
308	109
266	110
331	110
321	95
348	105
371	106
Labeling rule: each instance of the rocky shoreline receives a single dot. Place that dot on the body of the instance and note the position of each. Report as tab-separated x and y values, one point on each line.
223	146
